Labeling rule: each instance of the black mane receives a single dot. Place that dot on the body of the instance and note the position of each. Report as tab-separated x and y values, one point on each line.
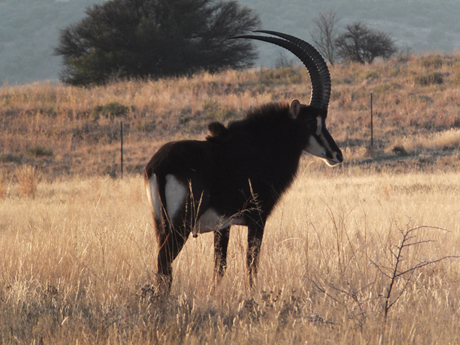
261	117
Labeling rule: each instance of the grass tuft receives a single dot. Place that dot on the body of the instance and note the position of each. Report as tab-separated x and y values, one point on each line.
39	151
111	110
28	178
2	186
434	78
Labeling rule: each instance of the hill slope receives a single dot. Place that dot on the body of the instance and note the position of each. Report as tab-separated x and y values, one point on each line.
76	131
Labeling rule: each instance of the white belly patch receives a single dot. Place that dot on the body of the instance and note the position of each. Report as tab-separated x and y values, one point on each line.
210	220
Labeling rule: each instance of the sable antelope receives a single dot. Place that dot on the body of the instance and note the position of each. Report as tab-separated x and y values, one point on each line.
238	174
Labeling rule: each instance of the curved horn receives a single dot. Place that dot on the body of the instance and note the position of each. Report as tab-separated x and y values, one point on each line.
316	57
310	57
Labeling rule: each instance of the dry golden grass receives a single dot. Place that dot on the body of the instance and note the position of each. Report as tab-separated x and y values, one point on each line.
28	178
77	257
2	186
76	260
437	140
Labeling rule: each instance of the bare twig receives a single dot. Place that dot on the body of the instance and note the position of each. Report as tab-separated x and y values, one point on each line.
409	239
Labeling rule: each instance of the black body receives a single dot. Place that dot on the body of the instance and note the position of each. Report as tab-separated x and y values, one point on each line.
240	171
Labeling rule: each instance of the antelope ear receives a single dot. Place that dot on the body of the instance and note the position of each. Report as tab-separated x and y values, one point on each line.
294	109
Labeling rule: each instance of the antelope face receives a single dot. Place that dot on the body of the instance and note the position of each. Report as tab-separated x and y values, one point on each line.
320	143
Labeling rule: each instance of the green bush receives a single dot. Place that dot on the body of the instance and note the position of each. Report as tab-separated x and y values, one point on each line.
212	110
111	110
372	75
429	79
435	61
39	151
9	157
285	75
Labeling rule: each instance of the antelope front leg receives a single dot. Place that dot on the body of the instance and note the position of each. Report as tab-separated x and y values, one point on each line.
255	235
221	238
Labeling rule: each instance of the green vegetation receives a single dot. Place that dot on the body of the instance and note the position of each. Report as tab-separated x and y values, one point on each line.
125	39
284	75
430	79
111	110
30	29
39	151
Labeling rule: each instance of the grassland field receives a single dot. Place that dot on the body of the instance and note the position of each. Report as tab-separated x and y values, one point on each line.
366	253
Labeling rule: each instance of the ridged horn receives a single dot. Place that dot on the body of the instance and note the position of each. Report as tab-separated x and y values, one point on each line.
310	57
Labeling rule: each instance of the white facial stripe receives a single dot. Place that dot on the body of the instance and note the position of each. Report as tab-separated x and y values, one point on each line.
319	125
175	193
325	142
154	198
315	148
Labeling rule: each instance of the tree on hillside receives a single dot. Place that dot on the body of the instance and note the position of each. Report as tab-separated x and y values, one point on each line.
324	35
155	38
362	44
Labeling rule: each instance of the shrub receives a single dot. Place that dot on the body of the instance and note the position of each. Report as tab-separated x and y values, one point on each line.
429	79
111	110
141	39
144	125
285	75
9	157
400	150
372	75
39	151
214	111
435	61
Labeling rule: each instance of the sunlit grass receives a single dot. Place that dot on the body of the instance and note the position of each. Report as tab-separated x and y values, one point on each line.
77	258
78	248
449	139
62	121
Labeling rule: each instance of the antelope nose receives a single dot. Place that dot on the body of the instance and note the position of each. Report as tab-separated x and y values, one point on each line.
339	157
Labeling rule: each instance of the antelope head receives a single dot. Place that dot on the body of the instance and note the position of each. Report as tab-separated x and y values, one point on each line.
319	141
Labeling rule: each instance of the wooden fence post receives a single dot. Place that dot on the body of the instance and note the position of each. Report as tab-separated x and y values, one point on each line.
121	147
372	126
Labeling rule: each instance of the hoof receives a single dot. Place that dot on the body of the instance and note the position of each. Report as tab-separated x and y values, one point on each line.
159	288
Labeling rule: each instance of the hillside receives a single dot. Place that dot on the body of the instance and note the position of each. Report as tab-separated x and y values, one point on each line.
29	29
67	131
